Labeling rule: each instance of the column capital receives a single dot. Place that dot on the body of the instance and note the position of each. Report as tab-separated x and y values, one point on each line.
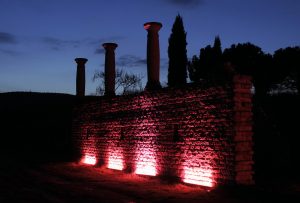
81	60
152	26
110	46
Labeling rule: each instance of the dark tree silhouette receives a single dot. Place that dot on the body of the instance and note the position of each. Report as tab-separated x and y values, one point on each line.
193	68
287	63
177	72
263	75
245	57
126	83
209	66
217	52
206	63
217	69
249	59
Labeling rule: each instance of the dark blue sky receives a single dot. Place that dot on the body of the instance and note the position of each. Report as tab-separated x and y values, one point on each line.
39	39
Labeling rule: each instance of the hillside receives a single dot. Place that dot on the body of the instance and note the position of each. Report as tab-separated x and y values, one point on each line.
36	126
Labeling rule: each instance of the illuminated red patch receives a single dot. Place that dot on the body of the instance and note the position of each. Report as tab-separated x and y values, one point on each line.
198	176
146	162
115	160
145	169
90	160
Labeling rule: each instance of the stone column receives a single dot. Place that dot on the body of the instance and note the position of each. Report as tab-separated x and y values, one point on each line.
80	76
110	68
243	138
153	58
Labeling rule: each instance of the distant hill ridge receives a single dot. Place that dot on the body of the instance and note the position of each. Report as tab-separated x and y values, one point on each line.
21	93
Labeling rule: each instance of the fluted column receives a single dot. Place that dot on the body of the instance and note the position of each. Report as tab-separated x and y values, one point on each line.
110	68
80	76
153	56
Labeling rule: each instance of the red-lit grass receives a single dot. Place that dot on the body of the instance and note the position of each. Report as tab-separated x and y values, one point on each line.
142	186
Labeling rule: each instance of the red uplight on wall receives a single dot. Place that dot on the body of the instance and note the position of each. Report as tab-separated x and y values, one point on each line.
115	160
198	176
145	168
90	160
146	162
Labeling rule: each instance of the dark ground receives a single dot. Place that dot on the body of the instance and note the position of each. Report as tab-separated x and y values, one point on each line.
70	182
37	158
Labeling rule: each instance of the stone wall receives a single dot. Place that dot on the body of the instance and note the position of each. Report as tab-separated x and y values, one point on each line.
243	129
198	134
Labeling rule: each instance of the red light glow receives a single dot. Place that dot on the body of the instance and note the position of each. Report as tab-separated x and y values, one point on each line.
145	168
198	176
115	160
146	163
90	160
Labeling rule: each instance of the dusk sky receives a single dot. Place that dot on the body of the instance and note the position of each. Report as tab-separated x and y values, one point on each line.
39	39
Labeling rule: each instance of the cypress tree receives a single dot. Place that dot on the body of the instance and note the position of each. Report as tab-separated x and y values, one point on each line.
177	72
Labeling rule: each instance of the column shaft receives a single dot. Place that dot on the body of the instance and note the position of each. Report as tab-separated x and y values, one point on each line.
80	76
153	55
110	68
